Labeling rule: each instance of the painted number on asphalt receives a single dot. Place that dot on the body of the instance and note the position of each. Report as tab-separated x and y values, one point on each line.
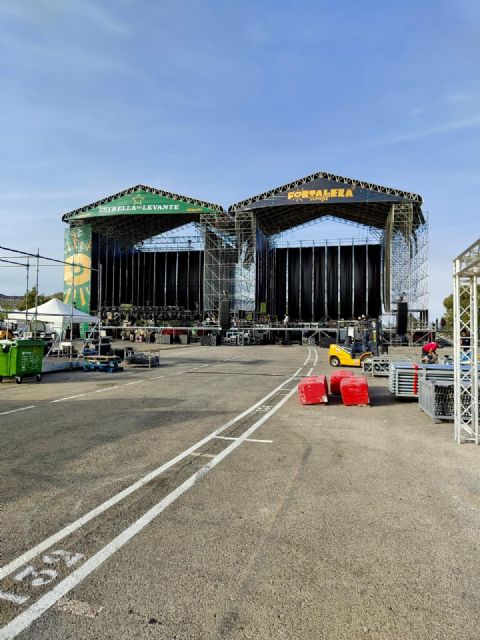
31	577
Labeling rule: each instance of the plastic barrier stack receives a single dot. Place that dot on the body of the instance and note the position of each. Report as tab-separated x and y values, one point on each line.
352	389
336	378
313	390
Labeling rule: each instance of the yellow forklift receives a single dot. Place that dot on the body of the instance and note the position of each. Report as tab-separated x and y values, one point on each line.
356	341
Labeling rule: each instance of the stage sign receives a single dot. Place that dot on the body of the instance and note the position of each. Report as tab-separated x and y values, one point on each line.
140	203
77	279
324	191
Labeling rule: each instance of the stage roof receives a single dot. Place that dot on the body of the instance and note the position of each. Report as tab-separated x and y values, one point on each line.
323	195
140	212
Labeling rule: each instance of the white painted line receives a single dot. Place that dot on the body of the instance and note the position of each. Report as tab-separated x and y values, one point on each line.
4	413
134	382
179	373
24	620
106	389
68	398
308	357
247	440
203	455
77	524
10	597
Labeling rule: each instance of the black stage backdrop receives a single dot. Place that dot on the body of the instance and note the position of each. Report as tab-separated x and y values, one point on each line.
319	274
325	283
346	291
294	282
332	282
144	278
306	261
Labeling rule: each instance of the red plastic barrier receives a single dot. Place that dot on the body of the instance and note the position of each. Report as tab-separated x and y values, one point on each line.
336	378
313	390
354	391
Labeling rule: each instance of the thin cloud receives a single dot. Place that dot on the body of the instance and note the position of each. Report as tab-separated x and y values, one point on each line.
102	18
418	110
469	123
42	13
462	97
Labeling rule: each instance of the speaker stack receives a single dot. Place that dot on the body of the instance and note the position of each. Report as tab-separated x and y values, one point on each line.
225	315
402	318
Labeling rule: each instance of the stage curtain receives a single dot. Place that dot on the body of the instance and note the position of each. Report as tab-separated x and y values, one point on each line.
306	287
319	290
359	266
293	283
374	281
346	271
332	282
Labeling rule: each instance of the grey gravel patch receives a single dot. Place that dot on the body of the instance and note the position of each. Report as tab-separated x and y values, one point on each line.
78	608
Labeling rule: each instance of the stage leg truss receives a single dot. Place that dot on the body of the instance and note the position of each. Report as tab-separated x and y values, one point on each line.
405	261
466	279
230	260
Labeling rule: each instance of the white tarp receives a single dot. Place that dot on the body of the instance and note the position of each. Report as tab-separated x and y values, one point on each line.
54	312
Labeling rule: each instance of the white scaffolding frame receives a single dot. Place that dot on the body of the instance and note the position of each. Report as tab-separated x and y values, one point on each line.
466	278
405	268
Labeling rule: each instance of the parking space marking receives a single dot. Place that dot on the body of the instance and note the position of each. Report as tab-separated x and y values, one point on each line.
79	395
22	621
107	389
4	413
203	455
247	440
80	522
168	375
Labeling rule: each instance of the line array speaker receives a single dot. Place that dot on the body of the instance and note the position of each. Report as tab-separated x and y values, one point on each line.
402	318
225	315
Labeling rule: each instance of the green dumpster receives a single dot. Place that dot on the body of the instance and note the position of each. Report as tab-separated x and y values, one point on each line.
20	359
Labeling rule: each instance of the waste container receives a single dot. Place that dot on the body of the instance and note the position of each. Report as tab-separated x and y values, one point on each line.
21	359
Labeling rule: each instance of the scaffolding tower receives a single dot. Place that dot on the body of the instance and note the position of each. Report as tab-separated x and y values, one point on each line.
230	260
406	264
466	279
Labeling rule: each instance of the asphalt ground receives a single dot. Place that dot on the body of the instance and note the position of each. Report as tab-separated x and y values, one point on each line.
127	514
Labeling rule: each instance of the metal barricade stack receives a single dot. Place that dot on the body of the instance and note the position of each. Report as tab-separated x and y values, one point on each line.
436	399
404	377
379	366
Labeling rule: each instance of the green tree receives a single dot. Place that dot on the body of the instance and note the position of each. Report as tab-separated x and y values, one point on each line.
448	304
29	300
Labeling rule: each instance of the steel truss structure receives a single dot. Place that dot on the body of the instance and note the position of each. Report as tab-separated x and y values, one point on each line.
238	244
230	260
466	279
405	264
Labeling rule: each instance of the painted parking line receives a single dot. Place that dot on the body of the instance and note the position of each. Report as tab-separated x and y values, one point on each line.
80	522
4	413
79	395
24	620
107	389
203	455
168	375
248	439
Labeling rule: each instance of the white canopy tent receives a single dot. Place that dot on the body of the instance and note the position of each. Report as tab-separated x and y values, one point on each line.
54	312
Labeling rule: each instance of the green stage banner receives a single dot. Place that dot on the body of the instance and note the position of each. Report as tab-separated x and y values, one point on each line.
77	279
141	203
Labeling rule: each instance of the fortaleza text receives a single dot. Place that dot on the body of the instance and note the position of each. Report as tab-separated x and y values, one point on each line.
320	194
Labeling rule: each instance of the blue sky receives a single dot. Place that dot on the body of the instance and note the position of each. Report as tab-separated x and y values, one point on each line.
223	99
